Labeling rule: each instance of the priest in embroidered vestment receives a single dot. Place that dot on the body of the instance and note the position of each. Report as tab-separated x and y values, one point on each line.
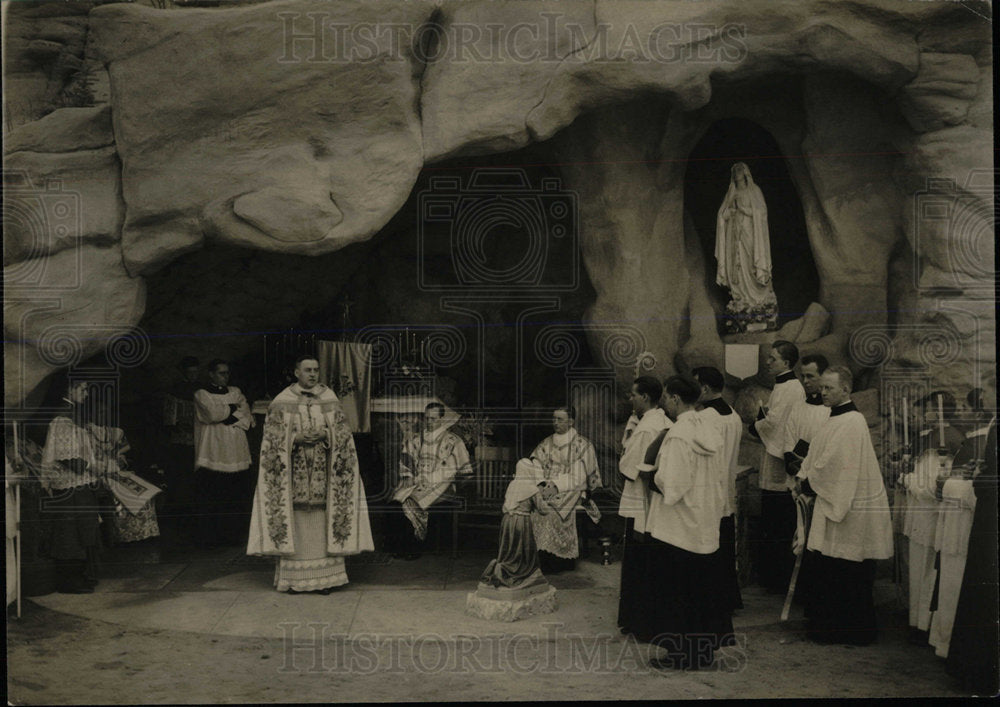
568	460
545	490
71	475
309	508
429	463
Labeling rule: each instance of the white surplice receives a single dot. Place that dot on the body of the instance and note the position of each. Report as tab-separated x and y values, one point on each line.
218	446
730	428
635	493
851	514
686	511
785	396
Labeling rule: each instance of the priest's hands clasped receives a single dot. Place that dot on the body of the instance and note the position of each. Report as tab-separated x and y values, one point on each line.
311	436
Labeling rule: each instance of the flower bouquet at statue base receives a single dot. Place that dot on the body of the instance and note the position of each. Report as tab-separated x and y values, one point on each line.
743	317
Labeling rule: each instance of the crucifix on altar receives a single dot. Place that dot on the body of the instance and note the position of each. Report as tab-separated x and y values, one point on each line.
345	303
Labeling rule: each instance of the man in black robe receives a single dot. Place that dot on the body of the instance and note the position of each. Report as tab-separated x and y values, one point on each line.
972	658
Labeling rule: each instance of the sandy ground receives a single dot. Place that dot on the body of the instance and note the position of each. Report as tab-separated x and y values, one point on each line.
55	658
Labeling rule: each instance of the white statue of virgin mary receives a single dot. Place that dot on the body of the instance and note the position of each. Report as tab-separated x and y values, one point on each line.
742	243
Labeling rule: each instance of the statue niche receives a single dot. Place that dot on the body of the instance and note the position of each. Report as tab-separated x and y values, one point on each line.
743	253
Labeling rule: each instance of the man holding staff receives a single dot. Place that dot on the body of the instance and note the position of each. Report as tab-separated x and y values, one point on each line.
851	526
777	509
804	420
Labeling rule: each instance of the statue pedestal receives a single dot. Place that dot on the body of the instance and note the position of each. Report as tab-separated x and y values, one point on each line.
534	598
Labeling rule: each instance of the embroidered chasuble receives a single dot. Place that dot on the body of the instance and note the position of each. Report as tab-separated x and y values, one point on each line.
308	477
570	462
428	465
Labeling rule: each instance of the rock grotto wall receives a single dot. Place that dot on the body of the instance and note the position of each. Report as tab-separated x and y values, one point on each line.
188	126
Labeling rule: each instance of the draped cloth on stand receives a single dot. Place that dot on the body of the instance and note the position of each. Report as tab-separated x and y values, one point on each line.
345	367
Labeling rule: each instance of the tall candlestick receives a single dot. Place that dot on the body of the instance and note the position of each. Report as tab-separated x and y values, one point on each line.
17	445
892	421
940	402
906	423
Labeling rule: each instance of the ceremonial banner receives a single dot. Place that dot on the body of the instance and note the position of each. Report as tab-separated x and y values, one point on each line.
345	367
742	360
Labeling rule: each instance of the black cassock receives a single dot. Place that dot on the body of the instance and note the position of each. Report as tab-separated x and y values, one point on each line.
972	655
636	598
689	615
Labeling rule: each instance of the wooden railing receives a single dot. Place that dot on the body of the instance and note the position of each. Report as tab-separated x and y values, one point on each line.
494	468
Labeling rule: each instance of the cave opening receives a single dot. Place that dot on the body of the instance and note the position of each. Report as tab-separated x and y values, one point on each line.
496	270
707	177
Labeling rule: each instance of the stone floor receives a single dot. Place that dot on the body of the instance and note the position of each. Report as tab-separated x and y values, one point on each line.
198	626
225	592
